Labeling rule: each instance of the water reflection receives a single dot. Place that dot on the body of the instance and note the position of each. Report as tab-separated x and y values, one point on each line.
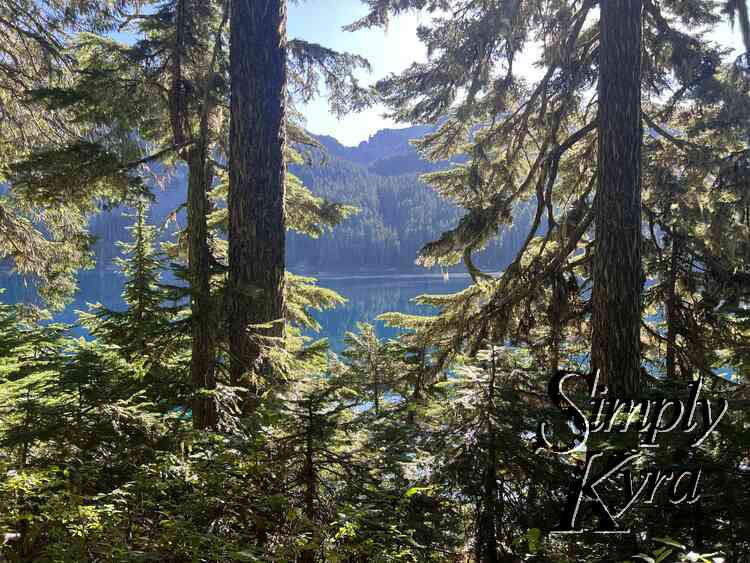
368	297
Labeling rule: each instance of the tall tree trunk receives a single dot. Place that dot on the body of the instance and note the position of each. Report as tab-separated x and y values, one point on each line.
202	364
742	16
200	177
618	278
257	225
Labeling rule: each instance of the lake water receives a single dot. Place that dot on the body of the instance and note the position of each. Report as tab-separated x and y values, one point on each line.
367	297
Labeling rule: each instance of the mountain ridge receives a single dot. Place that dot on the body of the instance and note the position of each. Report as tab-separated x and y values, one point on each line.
381	176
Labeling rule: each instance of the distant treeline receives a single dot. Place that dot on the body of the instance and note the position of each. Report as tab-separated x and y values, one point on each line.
398	212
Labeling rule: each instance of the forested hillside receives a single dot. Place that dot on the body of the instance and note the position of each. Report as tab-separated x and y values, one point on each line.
398	213
581	393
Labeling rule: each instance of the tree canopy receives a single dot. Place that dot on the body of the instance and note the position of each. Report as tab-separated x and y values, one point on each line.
583	398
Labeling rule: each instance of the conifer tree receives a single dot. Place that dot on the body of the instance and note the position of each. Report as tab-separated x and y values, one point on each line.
617	272
264	68
46	243
181	54
317	443
116	129
27	353
534	145
510	490
257	170
150	331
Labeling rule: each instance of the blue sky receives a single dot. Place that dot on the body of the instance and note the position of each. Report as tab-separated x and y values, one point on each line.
320	21
388	51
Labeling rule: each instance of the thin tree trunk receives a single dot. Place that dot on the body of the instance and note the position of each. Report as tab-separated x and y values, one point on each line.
671	307
200	177
310	479
618	278
202	363
141	307
486	551
257	225
177	102
487	548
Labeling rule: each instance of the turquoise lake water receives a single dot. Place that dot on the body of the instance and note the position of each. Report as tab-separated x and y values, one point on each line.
367	297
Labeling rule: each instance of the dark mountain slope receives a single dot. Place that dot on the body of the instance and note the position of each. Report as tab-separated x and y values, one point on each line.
399	213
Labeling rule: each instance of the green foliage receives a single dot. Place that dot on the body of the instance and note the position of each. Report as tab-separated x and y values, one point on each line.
146	315
417	449
398	215
531	145
43	219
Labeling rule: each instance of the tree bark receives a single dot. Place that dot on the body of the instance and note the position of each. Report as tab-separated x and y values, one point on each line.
202	364
486	548
200	178
310	479
487	525
618	277
744	19
671	310
257	224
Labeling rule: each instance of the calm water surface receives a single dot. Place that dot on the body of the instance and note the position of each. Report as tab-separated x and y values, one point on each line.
367	297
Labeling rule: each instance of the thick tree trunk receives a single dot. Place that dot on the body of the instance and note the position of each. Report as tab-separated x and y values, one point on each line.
257	226
618	281
744	19
202	364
